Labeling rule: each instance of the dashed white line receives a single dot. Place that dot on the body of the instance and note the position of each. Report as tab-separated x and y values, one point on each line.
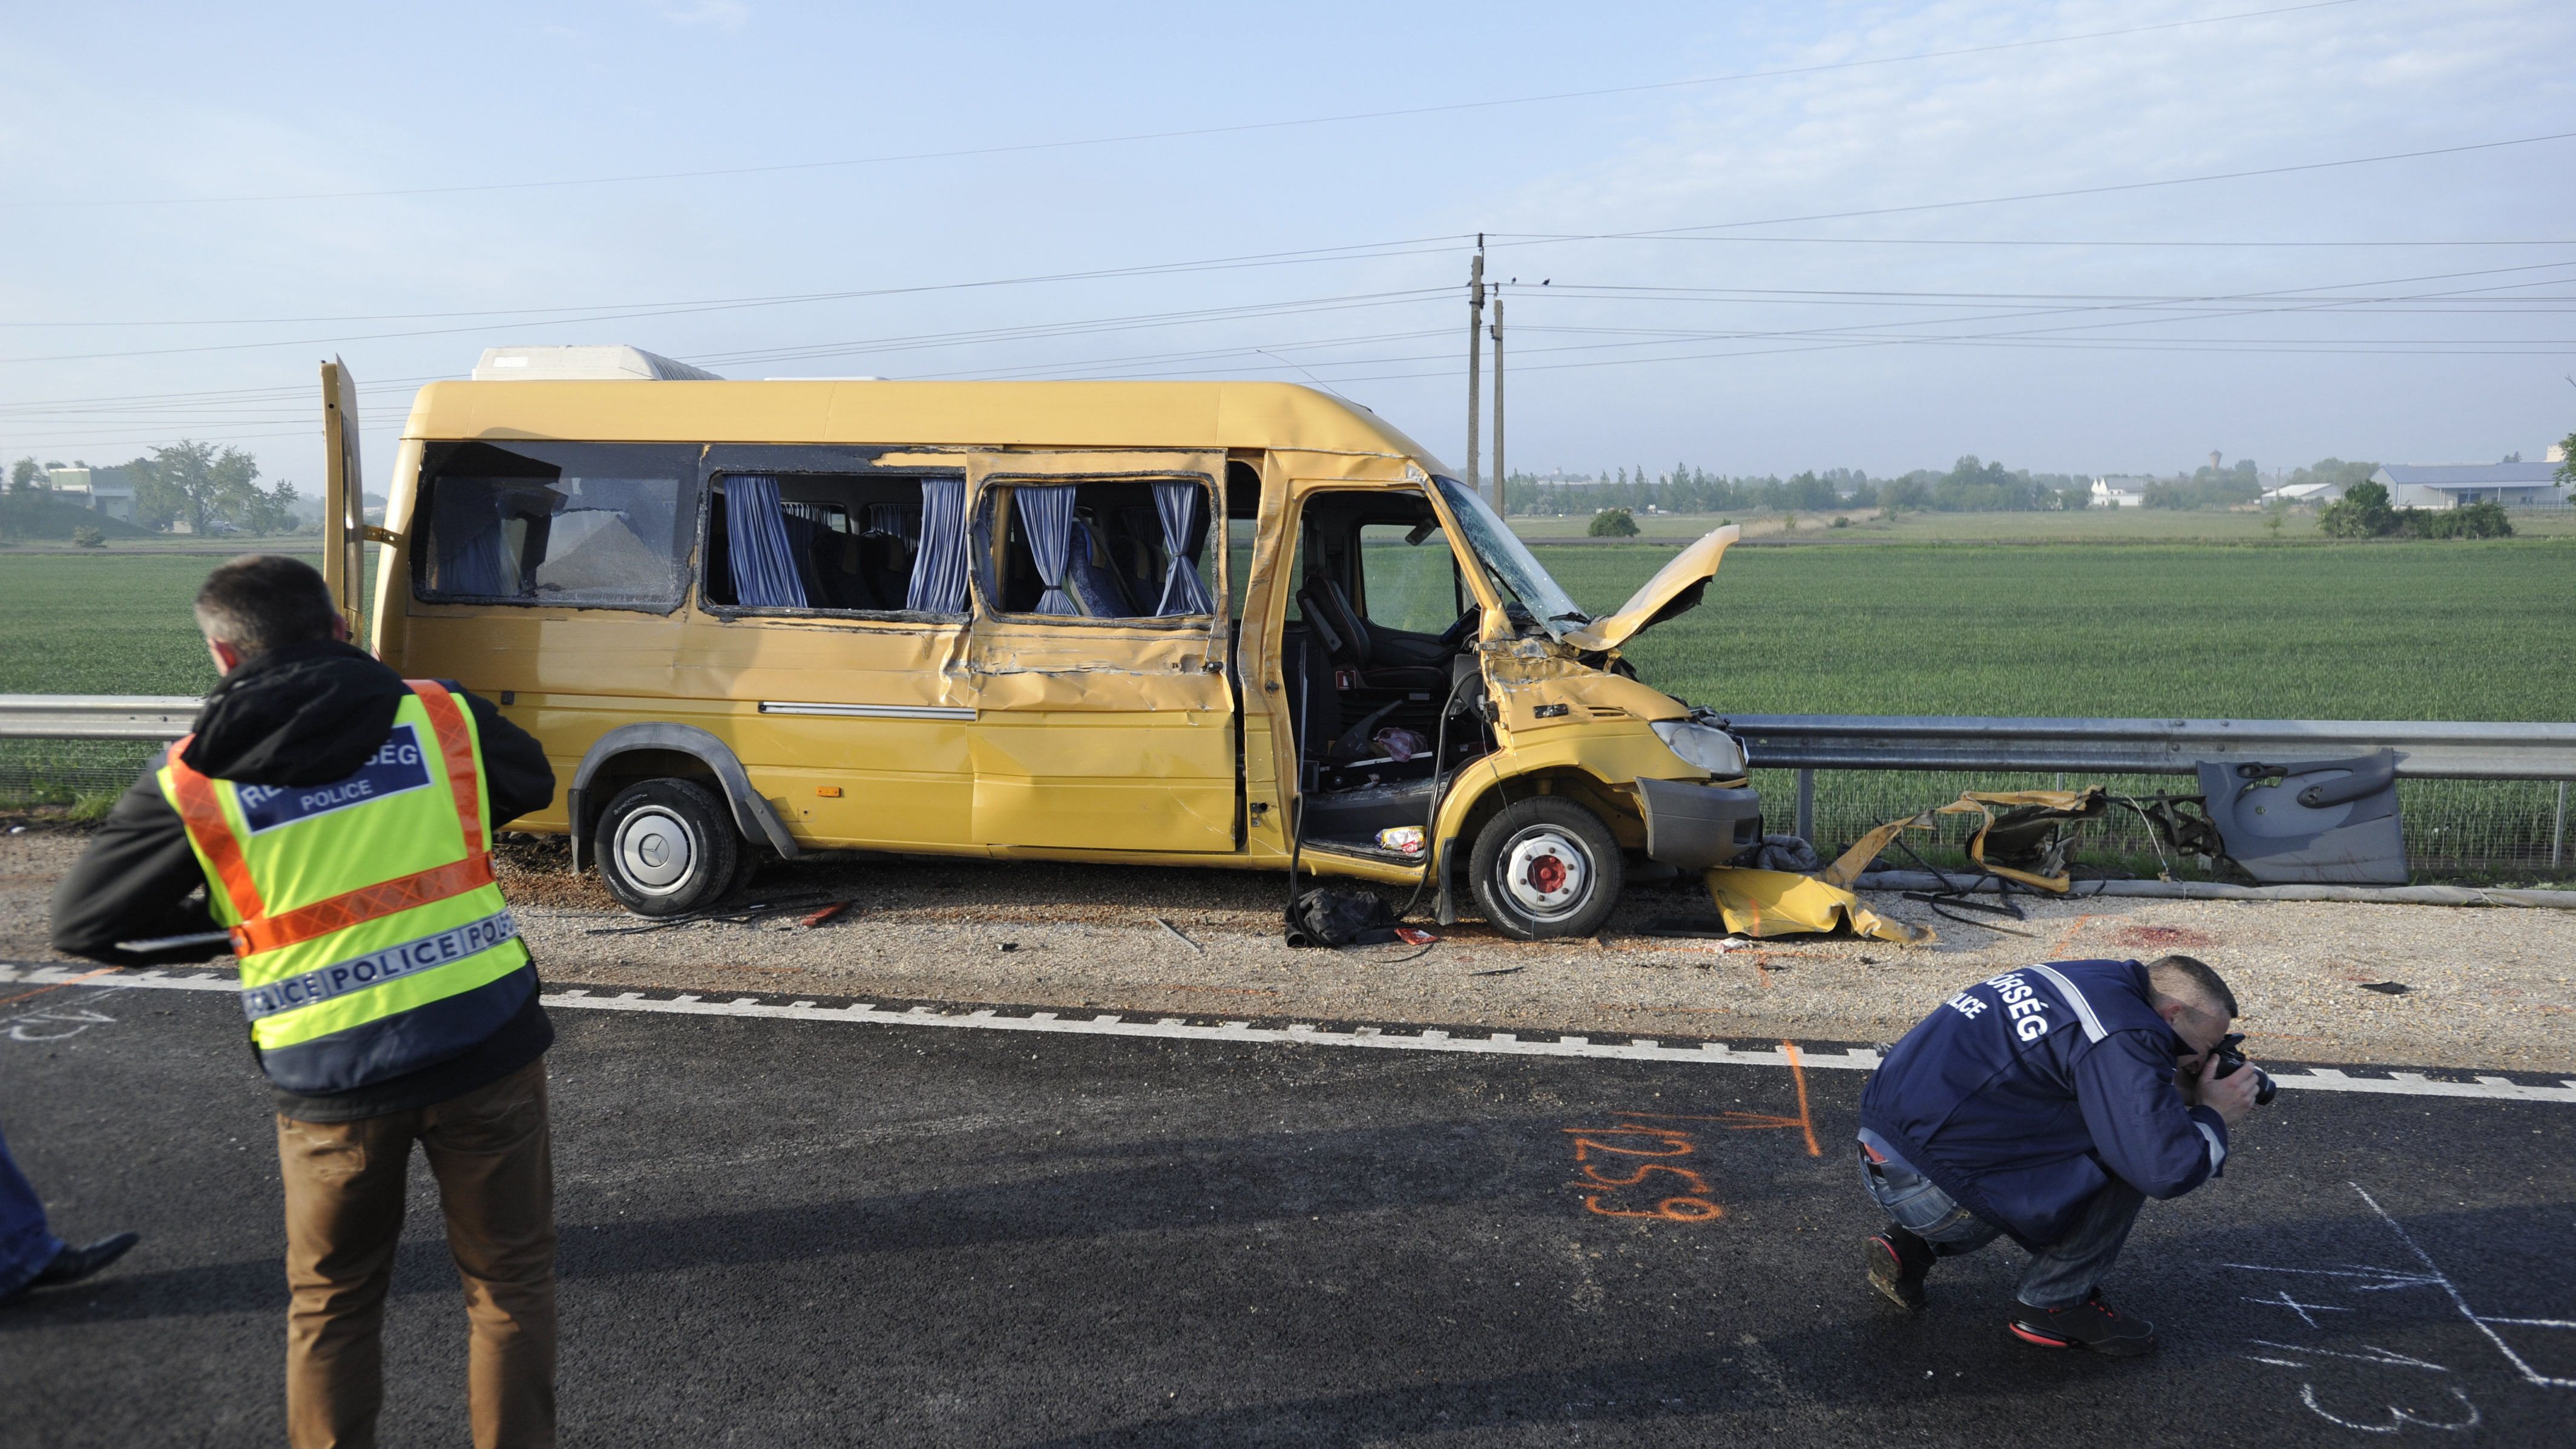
1501	1043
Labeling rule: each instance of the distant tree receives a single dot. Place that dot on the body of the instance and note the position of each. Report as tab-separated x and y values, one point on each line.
270	512
198	483
2362	512
22	476
1612	523
2567	465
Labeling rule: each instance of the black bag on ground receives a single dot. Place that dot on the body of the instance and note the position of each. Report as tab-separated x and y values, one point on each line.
1339	916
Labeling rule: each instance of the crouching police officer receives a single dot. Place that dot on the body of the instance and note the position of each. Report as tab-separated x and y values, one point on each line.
339	819
2049	1103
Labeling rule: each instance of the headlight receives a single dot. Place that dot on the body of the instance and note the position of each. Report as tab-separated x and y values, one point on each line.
1704	745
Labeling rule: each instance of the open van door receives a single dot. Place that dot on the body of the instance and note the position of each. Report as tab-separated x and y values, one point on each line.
344	499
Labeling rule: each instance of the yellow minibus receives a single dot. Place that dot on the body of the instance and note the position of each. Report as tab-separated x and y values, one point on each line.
1209	624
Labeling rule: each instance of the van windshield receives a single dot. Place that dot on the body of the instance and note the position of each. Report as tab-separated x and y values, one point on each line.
1509	561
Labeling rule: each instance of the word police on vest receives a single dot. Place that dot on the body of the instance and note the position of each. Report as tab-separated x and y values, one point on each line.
2022	1006
395	767
378	967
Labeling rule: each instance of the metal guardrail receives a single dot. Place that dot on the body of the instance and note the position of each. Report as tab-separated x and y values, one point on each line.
97	716
2456	751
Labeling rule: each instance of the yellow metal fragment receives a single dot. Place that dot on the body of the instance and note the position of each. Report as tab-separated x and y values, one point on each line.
1766	903
2082	803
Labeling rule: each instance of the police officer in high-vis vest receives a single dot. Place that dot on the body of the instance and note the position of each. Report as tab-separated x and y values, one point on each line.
339	820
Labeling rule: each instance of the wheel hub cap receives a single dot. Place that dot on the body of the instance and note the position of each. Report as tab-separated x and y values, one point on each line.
1545	873
653	850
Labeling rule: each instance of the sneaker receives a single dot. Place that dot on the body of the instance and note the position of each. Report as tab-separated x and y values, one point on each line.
2091	1324
1898	1261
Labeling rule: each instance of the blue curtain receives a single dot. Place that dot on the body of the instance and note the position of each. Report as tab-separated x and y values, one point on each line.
466	522
765	572
893	520
1046	515
939	566
1184	592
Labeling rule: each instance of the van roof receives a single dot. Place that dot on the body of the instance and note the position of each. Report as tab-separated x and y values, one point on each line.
1022	414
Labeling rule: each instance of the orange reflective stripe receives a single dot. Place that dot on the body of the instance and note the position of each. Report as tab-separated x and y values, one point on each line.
366	903
203	815
456	745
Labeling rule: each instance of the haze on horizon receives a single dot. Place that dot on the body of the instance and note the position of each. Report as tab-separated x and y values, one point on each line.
1761	274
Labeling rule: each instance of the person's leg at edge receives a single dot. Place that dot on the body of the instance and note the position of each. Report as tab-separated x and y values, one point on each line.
344	1212
1916	1204
2067	1271
493	1154
27	1243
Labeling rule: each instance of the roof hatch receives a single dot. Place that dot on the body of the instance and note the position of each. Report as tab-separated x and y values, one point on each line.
584	364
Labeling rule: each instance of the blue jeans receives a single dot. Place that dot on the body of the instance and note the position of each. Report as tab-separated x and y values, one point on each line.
2060	1275
26	1244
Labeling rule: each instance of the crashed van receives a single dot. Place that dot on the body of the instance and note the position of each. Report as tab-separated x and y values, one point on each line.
1209	624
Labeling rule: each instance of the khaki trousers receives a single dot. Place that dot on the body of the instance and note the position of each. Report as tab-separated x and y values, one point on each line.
491	1153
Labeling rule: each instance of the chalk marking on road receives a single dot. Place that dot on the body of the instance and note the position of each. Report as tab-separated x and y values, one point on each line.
1501	1043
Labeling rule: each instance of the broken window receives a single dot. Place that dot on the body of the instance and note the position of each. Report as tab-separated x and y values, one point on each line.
831	543
599	524
1097	549
1409	578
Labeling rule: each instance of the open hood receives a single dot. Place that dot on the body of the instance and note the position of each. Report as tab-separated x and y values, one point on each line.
1675	589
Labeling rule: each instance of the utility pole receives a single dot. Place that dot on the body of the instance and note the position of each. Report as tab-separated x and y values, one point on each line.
1475	355
1502	474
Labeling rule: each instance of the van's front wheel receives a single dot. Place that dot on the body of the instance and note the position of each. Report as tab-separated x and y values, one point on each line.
666	848
1546	867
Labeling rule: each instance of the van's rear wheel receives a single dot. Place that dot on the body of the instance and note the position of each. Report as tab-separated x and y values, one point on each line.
666	848
1546	867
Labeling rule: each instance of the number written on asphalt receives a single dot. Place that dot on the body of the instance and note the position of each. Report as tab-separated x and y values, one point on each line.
1630	1171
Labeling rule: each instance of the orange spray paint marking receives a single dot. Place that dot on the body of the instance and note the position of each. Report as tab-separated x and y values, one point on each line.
1735	1121
2072	932
1696	1205
1806	1119
59	985
1670	1210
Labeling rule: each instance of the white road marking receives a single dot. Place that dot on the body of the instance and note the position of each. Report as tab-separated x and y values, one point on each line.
1501	1043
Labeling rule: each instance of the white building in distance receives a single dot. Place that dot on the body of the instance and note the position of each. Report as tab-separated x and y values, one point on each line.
2119	492
2448	485
101	490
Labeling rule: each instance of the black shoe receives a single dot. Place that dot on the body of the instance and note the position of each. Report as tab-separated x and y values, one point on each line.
1898	1261
73	1264
2091	1324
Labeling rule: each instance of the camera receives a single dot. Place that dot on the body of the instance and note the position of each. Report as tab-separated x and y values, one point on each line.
2230	1059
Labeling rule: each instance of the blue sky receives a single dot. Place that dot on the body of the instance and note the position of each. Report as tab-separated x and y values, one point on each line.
196	209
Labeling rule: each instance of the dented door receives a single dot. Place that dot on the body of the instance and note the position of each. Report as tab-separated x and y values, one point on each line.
1104	720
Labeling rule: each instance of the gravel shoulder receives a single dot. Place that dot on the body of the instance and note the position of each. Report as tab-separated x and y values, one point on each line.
2486	988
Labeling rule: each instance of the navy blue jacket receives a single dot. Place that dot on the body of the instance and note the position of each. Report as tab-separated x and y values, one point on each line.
2022	1095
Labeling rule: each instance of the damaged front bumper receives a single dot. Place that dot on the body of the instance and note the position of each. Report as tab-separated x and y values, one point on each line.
1698	827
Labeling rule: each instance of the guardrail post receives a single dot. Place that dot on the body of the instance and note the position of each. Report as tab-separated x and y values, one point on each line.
1807	804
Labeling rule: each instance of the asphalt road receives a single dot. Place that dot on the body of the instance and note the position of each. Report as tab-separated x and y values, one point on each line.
797	1232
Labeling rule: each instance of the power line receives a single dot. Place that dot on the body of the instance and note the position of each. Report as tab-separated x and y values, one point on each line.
1684	232
1367	251
1198	131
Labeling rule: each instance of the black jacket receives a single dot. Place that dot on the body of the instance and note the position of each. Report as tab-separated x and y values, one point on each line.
304	714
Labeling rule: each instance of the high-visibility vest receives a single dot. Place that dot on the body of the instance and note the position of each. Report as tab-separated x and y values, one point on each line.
363	912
